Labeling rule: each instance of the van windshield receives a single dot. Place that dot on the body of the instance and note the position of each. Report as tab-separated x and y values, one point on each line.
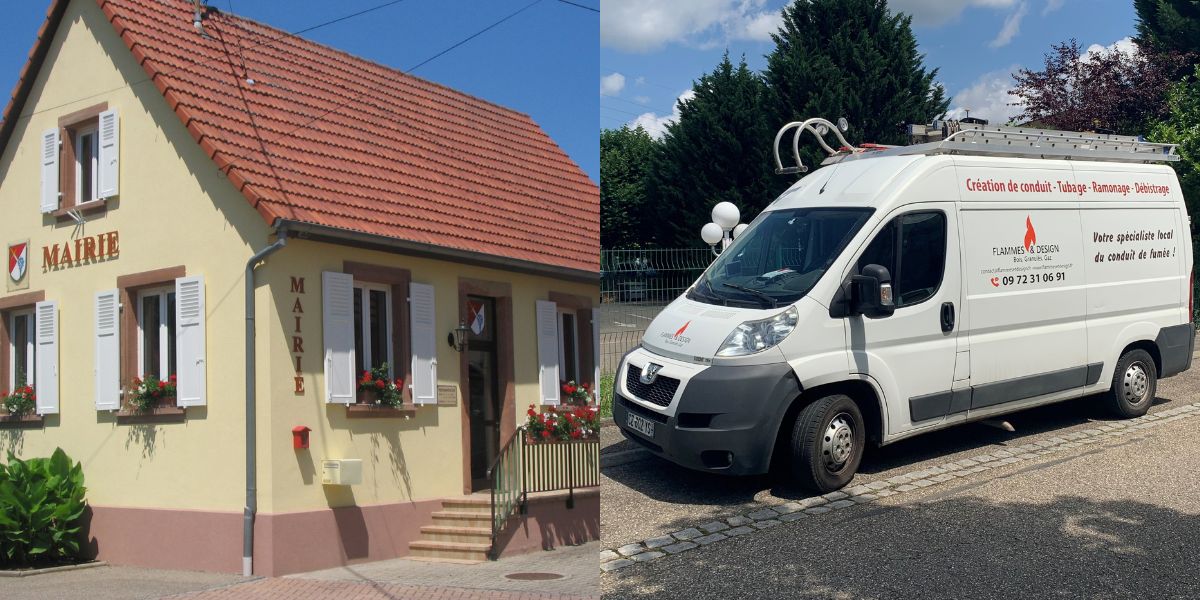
780	257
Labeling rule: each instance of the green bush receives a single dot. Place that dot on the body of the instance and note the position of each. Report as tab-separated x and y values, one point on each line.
41	502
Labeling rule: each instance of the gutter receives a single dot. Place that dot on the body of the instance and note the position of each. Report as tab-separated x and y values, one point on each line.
370	241
251	421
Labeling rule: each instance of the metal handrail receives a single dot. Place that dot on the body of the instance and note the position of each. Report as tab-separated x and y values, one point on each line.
510	449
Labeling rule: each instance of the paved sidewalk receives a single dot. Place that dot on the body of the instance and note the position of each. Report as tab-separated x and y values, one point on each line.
398	579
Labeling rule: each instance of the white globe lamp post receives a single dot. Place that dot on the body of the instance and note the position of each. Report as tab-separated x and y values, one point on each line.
724	227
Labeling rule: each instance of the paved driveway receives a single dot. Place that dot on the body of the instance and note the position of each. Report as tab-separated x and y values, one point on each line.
1071	505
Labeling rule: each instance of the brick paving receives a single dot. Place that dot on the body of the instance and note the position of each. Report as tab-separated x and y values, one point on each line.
300	589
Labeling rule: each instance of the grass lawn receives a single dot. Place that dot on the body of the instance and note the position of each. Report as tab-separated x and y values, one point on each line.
606	395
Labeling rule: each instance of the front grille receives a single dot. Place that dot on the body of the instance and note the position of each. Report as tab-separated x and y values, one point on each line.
659	393
634	407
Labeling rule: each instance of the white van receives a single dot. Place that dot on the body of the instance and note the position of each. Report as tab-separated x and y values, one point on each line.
907	289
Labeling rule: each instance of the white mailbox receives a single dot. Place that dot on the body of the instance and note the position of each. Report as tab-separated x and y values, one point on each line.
341	471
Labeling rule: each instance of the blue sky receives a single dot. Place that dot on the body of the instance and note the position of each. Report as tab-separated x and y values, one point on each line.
541	62
652	50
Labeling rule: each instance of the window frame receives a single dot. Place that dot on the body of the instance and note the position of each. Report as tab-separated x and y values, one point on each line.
898	245
165	336
365	329
89	127
69	126
30	348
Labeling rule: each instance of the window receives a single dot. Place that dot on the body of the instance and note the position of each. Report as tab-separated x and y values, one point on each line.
373	327
780	257
919	240
21	350
156	333
87	147
568	347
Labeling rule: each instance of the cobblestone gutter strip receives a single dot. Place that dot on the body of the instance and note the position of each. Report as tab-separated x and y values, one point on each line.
772	515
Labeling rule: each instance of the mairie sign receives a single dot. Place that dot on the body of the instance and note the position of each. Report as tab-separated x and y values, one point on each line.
81	251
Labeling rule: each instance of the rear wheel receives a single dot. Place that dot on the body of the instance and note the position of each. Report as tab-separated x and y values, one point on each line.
1134	384
827	443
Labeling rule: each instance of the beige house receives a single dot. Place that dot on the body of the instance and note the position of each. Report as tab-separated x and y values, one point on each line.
176	185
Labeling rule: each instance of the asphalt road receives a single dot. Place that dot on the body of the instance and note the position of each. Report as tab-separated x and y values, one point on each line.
1115	519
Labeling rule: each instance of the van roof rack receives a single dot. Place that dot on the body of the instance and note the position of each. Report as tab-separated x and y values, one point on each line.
980	139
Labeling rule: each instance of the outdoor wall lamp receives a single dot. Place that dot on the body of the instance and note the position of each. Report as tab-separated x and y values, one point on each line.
457	338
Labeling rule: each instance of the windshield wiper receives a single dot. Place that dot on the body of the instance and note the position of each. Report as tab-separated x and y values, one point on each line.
771	303
711	294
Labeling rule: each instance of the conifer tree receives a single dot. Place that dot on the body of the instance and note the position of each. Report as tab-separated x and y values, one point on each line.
718	150
854	59
625	156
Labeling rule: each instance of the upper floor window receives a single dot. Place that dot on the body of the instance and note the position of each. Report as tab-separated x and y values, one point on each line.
87	147
80	161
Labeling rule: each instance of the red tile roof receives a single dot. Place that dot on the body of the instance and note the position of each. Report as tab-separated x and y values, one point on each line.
331	139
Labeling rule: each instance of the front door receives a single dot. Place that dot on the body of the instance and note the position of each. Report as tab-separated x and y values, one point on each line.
911	353
483	384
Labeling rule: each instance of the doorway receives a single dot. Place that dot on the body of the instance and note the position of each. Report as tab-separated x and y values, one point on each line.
483	385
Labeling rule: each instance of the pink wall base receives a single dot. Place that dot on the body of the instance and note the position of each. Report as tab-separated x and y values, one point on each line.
549	524
286	543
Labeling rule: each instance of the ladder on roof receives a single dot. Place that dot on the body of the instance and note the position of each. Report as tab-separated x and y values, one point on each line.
954	137
985	140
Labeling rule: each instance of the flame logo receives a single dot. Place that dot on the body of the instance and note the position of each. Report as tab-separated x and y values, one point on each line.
682	329
1030	234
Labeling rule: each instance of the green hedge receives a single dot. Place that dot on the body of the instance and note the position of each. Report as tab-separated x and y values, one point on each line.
41	502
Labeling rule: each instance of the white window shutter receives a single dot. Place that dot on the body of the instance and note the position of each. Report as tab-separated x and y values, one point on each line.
49	171
337	326
191	361
424	343
46	386
108	158
596	354
108	350
547	343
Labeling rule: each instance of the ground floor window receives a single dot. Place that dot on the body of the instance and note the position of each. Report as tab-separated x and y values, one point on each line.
568	347
156	333
373	327
21	350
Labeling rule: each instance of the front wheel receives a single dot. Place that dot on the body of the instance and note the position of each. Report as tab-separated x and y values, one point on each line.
827	443
1134	384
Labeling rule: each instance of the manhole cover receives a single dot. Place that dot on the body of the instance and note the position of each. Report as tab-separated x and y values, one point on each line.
533	576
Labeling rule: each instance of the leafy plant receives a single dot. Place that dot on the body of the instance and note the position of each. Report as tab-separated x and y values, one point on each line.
20	402
41	502
147	392
574	394
378	382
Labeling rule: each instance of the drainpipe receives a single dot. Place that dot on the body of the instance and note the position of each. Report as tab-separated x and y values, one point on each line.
251	425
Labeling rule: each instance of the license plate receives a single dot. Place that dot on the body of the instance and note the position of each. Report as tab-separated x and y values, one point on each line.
640	424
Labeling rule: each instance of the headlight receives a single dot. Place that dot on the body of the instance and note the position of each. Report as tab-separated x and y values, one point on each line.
756	336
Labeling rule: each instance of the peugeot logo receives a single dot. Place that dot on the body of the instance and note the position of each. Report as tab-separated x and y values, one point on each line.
650	373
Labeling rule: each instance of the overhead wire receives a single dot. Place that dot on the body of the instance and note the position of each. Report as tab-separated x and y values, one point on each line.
269	42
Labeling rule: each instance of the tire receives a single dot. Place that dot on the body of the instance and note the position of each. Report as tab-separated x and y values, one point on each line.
827	443
1134	384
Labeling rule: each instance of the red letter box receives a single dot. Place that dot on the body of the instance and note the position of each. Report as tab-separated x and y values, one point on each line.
300	437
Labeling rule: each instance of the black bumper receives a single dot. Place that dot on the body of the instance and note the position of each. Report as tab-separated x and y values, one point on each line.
726	421
1175	347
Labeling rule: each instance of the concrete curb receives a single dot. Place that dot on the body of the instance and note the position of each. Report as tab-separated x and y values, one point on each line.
32	572
768	515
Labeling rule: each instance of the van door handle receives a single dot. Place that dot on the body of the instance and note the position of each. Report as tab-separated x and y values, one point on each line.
947	316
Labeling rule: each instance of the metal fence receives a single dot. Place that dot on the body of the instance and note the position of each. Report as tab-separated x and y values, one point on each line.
635	285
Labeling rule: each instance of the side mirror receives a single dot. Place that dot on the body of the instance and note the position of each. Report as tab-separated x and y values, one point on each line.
871	293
